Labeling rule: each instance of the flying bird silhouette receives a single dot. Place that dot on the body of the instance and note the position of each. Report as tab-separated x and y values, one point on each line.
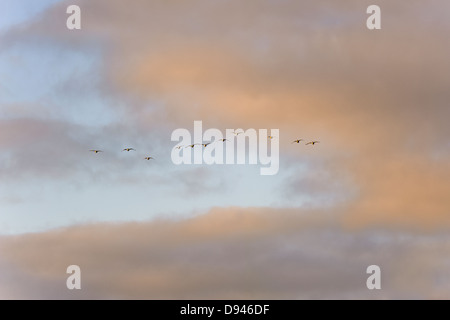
312	142
297	141
237	132
128	149
148	158
96	151
206	144
270	137
179	147
191	145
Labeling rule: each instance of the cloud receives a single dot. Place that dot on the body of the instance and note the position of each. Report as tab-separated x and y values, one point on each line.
231	253
379	179
53	149
378	101
38	147
407	191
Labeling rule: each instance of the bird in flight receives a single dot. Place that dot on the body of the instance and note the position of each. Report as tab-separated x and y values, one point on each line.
237	132
96	151
312	142
270	137
148	158
179	147
191	145
223	140
206	144
297	141
128	149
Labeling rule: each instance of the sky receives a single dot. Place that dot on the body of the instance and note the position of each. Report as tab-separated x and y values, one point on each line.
373	191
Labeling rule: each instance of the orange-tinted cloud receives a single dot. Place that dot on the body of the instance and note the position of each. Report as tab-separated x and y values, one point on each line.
229	253
378	101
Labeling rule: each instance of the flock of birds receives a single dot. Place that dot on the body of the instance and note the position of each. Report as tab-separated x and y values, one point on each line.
126	149
236	133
